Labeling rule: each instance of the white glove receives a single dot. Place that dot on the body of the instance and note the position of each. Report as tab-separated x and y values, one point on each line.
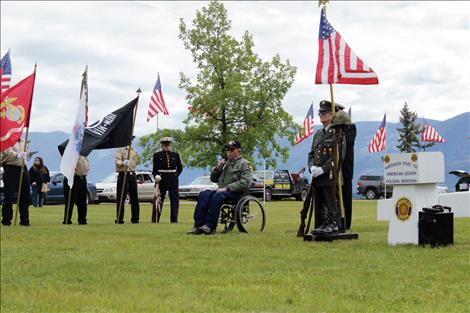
22	155
158	178
126	162
316	171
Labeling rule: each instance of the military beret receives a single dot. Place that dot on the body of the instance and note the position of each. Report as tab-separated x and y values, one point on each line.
233	144
166	140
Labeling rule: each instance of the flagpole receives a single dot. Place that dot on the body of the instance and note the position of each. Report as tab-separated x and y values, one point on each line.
385	153
121	199
24	150
340	176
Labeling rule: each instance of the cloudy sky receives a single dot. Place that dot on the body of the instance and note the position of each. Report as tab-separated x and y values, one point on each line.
420	51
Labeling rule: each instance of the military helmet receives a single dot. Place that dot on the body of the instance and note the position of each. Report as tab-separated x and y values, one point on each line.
341	118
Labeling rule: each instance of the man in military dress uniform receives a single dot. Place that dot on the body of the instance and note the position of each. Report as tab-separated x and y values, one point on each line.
12	159
233	176
126	162
320	158
79	192
167	166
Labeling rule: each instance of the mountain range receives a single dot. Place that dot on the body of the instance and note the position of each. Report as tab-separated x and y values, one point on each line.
456	150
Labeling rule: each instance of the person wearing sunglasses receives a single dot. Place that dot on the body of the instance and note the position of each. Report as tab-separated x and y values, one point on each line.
233	174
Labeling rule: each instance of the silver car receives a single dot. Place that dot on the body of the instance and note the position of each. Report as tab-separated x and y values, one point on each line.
192	190
106	188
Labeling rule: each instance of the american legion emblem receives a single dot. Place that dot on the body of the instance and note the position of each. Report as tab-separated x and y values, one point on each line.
403	209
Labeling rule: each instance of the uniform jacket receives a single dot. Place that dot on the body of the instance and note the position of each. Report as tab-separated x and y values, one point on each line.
10	155
82	167
121	155
235	175
321	154
168	165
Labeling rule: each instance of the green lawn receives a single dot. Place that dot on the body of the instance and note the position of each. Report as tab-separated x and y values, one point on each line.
103	267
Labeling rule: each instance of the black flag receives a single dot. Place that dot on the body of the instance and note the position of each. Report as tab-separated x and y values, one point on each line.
112	131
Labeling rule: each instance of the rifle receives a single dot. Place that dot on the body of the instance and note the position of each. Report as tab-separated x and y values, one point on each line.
308	208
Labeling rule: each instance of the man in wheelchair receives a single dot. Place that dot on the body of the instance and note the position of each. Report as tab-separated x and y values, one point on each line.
233	175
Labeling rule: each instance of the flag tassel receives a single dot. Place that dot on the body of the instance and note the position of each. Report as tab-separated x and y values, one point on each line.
121	199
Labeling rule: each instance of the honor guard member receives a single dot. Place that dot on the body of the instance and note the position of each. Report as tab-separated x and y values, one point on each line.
347	167
233	175
79	192
167	165
320	158
12	159
124	164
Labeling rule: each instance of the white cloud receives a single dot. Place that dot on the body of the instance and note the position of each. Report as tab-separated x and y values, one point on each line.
420	51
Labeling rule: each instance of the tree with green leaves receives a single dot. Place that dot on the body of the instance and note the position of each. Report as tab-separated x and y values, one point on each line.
236	95
151	143
408	140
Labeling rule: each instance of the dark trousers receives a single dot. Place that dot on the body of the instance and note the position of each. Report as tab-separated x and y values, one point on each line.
326	209
174	201
347	201
78	197
11	181
131	190
208	207
36	195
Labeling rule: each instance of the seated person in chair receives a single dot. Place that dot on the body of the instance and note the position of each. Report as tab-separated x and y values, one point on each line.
233	175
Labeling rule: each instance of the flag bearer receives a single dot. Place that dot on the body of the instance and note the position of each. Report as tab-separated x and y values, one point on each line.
79	192
125	163
11	160
167	164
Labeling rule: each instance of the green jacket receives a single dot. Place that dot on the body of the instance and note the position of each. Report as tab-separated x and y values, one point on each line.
322	152
235	175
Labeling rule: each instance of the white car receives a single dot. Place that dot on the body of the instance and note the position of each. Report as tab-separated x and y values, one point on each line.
192	190
106	188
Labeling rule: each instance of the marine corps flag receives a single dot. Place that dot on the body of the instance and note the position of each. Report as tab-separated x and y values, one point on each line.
15	111
112	131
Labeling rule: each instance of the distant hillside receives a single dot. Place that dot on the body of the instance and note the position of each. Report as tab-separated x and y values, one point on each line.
456	150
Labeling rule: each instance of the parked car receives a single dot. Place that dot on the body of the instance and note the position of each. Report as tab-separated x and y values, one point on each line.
106	188
373	187
55	195
282	184
463	184
192	190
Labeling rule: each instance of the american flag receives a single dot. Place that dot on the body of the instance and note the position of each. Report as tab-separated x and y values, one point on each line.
157	103
5	71
337	62
308	127
378	142
430	134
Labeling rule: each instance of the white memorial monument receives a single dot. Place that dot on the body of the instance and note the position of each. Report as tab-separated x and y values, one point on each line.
414	177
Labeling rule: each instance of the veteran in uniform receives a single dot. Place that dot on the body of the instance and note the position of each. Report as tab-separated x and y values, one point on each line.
320	158
12	159
79	192
233	176
167	167
126	162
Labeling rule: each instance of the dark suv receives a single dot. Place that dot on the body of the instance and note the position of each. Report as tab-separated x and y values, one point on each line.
373	187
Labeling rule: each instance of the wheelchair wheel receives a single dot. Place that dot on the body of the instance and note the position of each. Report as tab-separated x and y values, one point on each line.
250	215
227	217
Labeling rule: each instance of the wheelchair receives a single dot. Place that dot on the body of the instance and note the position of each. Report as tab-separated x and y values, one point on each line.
247	213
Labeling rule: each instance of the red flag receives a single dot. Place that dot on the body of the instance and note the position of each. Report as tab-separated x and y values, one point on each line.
15	111
337	62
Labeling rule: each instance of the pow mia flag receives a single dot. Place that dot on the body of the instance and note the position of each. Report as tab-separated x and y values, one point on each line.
112	131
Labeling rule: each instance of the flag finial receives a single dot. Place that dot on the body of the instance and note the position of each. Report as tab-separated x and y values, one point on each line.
322	2
138	91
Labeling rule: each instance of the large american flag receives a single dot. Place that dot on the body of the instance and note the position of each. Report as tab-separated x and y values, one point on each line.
337	62
430	134
308	127
378	142
5	72
157	103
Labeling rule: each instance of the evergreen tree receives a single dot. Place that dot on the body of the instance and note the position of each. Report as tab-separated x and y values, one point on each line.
409	134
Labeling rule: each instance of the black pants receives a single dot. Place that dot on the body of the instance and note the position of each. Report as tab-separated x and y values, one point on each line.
326	209
174	201
11	181
347	201
78	197
131	190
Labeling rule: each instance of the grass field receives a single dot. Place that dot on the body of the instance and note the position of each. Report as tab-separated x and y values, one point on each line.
103	267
